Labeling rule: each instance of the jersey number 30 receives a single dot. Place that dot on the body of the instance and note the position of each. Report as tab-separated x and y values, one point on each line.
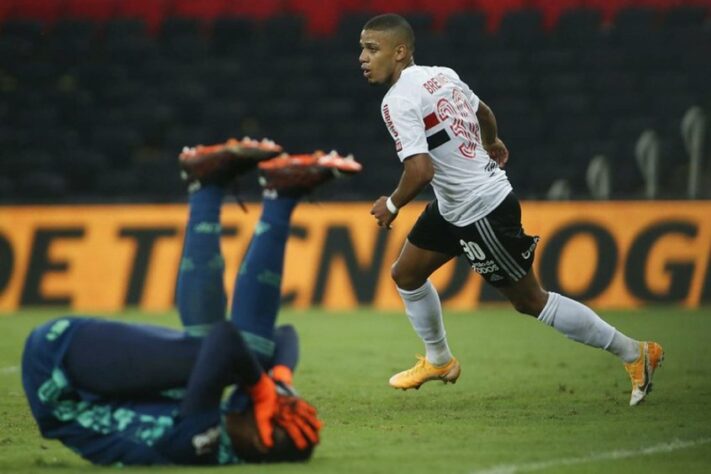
473	250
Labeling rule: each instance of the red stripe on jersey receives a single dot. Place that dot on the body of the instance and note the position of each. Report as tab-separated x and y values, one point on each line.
431	120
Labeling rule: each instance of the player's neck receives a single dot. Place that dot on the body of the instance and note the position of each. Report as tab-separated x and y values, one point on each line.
398	71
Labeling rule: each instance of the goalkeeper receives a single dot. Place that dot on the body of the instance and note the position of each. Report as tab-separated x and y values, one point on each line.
131	394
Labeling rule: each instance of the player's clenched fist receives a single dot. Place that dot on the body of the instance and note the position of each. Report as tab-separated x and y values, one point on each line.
381	212
498	152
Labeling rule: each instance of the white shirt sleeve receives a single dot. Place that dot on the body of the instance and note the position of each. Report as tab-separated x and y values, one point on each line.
404	121
473	98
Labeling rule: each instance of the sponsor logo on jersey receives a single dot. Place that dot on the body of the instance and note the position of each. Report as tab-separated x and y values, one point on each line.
527	254
483	268
496	277
389	121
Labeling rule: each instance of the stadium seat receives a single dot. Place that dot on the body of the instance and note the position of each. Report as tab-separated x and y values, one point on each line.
36	74
495	10
7	187
118	29
174	27
43	185
443	10
218	114
260	10
517	85
6	9
608	8
15	51
27	160
187	49
161	177
431	47
554	60
151	12
579	28
232	35
422	23
568	105
349	28
302	136
283	35
81	167
522	29
574	129
97	10
26	29
97	76
117	144
203	10
636	25
466	30
551	10
685	16
73	30
322	17
44	11
552	84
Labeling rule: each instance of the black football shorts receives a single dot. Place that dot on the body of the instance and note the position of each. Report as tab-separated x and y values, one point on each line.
495	246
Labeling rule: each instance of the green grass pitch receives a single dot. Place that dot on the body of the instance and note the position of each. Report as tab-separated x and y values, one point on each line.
528	400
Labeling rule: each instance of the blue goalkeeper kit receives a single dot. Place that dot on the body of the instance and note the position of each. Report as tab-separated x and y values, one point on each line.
126	394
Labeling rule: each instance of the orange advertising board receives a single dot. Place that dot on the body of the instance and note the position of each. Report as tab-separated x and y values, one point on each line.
104	258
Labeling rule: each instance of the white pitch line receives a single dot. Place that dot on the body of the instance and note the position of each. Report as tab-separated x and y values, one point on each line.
9	370
594	457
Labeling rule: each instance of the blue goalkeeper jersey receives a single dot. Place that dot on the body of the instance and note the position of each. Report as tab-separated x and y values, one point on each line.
114	431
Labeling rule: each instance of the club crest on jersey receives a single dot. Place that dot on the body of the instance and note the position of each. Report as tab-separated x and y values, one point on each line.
204	443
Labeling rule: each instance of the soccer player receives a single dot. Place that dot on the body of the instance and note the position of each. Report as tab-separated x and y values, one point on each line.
446	136
130	394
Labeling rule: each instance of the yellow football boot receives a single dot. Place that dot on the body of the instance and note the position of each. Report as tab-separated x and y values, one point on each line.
641	371
423	372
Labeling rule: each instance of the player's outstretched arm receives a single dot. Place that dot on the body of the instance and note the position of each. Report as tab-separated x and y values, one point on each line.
489	135
417	174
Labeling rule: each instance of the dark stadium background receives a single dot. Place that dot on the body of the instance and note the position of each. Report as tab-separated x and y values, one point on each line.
97	97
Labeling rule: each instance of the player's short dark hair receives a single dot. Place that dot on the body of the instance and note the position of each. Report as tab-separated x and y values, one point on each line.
395	23
242	430
284	450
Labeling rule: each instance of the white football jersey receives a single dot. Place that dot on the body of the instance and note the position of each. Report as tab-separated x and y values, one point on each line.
430	110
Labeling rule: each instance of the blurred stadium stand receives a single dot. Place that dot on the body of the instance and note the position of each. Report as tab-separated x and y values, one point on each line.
98	96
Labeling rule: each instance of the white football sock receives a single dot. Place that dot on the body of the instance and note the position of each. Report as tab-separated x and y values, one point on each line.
425	313
581	324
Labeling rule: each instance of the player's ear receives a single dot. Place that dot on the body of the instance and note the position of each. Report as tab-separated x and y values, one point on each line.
403	52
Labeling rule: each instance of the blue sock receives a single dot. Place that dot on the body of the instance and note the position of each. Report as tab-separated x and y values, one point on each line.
201	294
287	346
257	295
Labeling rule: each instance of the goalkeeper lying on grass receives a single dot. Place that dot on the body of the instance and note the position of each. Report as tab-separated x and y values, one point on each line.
119	393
